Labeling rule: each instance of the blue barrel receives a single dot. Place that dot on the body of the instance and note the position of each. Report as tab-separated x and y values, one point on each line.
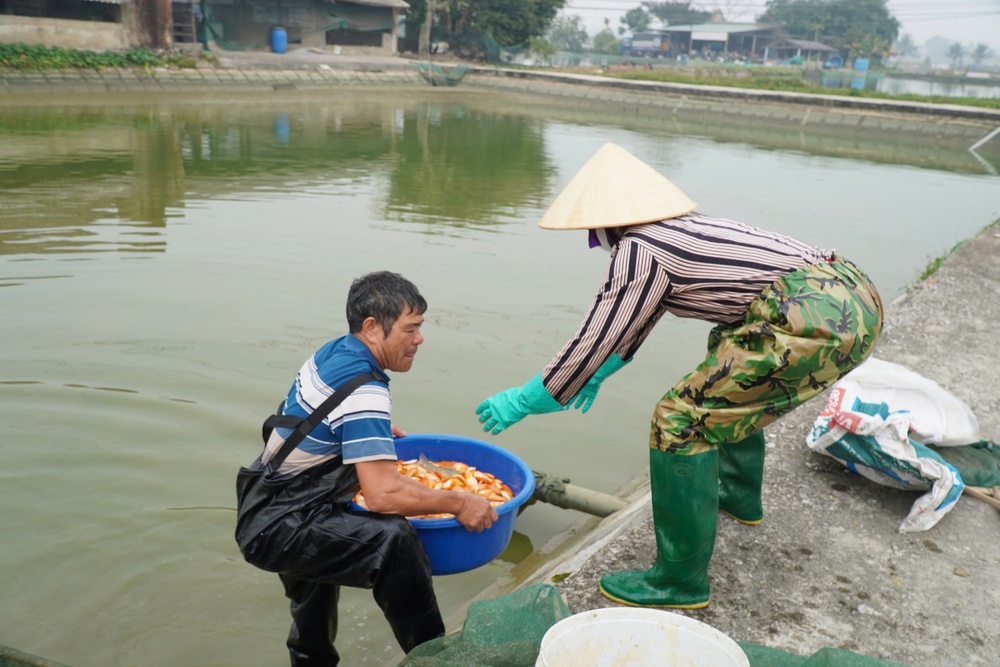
279	40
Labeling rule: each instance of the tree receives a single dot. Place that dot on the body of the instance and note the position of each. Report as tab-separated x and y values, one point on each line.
981	53
605	42
542	49
635	20
676	13
567	34
905	47
860	27
956	52
461	22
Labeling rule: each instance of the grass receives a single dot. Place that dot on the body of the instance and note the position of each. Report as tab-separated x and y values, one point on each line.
935	264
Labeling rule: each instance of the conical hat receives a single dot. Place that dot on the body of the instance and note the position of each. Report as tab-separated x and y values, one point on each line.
615	189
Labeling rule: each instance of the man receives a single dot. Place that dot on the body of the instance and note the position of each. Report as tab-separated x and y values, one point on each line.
296	520
791	319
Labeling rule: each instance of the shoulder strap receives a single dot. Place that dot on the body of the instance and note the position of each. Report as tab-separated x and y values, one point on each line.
303	426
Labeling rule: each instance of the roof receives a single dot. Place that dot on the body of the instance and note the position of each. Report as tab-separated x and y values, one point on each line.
808	45
375	3
718	27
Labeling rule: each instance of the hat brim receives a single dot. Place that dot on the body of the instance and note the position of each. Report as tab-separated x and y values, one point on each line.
615	189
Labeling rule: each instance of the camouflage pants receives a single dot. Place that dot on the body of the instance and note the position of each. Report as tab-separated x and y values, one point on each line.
799	336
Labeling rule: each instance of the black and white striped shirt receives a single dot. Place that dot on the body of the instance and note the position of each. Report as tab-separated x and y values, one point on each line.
692	266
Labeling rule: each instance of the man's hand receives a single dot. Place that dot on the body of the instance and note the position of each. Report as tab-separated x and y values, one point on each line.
477	513
397	432
388	492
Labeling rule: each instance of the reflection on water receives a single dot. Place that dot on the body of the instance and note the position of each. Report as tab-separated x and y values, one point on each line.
927	86
897	85
70	184
130	391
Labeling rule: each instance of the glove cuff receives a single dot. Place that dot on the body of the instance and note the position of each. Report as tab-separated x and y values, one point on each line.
613	364
537	399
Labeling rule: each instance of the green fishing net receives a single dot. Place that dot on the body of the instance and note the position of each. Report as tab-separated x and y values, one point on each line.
503	632
763	656
978	463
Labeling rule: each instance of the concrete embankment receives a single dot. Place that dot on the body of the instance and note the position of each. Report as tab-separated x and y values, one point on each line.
887	128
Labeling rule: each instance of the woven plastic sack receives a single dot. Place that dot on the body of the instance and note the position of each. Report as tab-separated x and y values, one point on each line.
503	632
937	417
874	442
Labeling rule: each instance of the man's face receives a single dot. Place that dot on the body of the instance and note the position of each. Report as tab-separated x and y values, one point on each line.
395	352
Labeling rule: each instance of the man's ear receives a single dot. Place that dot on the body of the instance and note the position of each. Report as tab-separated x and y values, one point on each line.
371	330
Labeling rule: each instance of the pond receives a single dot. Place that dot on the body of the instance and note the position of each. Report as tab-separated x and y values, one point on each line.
165	268
944	87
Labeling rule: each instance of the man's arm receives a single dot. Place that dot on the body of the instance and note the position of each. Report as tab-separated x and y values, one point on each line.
388	492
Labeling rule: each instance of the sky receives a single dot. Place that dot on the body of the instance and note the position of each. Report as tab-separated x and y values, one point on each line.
965	21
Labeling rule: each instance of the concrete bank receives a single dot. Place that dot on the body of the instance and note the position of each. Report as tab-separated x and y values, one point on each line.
939	126
309	70
828	566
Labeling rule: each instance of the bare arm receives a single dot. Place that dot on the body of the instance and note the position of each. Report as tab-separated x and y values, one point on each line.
388	492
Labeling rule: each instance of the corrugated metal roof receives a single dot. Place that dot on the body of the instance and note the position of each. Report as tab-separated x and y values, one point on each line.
375	3
717	27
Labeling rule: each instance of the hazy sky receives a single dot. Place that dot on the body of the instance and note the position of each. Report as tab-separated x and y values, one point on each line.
965	21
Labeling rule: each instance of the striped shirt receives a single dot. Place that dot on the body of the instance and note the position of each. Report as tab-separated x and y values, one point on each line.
692	266
359	429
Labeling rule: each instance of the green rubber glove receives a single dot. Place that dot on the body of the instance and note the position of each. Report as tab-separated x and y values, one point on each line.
588	393
503	410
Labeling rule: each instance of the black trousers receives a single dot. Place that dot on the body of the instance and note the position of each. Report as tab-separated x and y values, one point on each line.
316	545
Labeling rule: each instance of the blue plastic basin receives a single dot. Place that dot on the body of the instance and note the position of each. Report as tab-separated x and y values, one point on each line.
450	547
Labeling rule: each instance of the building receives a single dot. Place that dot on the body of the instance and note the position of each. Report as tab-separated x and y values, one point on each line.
721	40
802	50
350	26
358	26
96	25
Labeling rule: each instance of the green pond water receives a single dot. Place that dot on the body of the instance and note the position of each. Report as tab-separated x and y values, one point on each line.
166	268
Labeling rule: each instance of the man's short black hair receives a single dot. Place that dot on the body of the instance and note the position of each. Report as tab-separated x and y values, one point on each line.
383	295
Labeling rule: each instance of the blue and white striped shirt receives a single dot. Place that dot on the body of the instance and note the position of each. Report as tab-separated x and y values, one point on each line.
359	429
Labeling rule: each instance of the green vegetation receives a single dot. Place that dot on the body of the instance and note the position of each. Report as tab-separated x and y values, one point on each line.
858	27
935	263
473	27
34	58
677	12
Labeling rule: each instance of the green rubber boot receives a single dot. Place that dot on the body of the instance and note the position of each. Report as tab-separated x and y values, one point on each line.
741	475
685	514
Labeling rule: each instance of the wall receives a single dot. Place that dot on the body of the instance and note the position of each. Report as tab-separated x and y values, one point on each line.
89	35
242	26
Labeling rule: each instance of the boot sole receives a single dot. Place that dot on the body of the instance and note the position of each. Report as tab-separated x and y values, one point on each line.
755	522
697	605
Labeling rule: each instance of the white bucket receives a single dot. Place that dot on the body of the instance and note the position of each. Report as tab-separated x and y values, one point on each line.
625	637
